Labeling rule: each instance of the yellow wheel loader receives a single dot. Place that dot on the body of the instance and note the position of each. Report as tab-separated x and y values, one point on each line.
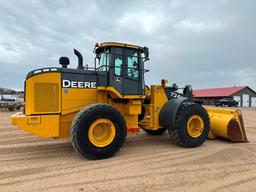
97	105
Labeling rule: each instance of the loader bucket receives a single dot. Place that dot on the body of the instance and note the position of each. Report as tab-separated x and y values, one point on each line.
226	123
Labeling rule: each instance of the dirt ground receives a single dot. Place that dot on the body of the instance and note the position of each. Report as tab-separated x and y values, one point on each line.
145	163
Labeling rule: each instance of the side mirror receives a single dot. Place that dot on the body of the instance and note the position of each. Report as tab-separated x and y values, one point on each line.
146	53
188	92
64	62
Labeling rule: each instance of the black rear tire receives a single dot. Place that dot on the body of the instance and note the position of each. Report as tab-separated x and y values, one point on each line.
179	133
155	132
80	130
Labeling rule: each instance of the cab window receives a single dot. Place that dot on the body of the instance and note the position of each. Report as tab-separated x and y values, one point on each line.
132	64
118	61
118	65
104	61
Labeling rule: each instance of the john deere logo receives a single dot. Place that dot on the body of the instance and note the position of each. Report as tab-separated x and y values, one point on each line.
78	84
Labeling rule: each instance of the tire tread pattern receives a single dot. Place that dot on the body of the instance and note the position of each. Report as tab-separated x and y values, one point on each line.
174	133
85	111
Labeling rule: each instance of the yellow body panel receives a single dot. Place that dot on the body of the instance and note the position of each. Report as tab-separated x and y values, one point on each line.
115	94
129	111
74	99
44	126
157	100
43	94
65	124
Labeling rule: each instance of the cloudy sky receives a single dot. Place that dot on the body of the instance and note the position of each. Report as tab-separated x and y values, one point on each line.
202	43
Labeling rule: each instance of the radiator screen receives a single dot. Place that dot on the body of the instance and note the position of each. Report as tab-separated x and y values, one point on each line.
46	97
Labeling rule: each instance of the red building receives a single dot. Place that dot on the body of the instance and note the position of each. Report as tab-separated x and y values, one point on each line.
244	95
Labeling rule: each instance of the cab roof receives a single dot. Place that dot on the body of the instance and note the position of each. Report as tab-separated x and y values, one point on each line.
116	44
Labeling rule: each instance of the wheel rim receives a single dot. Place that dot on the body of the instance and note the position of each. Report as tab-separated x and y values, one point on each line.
102	132
195	126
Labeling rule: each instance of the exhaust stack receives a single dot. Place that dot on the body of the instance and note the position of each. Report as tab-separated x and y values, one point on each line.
80	59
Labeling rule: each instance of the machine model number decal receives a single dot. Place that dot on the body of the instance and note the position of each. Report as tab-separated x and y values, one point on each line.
78	84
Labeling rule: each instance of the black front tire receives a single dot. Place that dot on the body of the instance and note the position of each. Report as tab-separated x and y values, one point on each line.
179	133
80	128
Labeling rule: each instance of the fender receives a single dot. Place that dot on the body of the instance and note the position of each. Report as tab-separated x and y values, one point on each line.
169	111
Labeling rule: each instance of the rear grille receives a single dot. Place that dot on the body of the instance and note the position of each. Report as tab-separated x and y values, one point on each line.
46	97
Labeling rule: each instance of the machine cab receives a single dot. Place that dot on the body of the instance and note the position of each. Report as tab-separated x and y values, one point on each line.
124	65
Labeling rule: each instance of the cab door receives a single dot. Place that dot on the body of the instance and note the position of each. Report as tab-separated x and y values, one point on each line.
132	82
125	74
116	71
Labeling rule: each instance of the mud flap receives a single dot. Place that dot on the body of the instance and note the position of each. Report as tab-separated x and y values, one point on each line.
226	123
